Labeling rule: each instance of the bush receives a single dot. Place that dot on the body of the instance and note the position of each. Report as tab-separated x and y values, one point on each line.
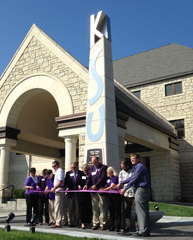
19	193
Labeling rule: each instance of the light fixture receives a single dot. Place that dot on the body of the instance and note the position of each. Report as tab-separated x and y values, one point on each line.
9	218
33	221
156	207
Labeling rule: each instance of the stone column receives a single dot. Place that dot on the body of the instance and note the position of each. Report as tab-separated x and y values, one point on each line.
165	177
70	152
121	142
4	165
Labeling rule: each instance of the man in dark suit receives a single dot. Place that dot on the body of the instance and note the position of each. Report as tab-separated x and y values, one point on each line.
97	179
72	198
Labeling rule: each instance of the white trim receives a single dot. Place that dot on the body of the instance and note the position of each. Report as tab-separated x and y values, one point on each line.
29	87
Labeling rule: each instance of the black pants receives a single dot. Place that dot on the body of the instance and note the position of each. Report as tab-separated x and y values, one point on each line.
85	207
115	210
31	202
41	201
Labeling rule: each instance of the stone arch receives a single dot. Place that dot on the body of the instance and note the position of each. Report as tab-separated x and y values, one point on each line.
29	87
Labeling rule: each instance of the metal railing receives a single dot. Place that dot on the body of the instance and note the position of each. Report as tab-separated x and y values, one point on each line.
6	194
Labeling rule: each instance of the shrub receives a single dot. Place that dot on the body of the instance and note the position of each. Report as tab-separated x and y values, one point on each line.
19	193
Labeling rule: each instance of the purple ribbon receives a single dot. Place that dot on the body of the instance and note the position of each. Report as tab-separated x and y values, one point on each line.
89	190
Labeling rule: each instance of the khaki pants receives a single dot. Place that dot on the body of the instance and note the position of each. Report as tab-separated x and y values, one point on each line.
99	204
73	210
51	211
59	207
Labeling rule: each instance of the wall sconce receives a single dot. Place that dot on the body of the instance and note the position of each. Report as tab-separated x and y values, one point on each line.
156	207
9	218
33	223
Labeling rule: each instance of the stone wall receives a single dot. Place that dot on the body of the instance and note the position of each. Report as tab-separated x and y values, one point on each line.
165	178
186	179
38	59
174	107
20	165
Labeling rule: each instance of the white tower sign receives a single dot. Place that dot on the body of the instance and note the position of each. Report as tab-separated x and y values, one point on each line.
101	126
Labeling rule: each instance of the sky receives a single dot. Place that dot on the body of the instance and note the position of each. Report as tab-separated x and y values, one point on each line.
136	25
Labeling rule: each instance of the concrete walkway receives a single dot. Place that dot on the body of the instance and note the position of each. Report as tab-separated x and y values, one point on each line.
166	228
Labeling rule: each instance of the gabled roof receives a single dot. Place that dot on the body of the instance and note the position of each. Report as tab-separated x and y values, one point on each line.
157	64
48	42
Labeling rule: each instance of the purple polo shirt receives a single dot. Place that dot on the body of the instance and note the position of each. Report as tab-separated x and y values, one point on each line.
50	184
42	183
30	182
112	180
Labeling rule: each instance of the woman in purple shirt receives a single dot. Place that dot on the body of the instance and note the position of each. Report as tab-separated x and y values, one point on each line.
31	198
114	201
43	198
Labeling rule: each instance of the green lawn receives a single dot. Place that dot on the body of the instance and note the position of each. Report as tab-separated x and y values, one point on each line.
172	210
24	235
169	210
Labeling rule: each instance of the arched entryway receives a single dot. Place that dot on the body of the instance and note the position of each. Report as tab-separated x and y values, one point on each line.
29	110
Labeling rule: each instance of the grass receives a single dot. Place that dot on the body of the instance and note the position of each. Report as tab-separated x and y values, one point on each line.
24	235
169	210
172	210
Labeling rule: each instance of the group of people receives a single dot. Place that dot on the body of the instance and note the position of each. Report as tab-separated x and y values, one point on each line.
89	207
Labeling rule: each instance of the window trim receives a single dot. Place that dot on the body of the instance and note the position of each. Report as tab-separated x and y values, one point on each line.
139	93
179	129
173	89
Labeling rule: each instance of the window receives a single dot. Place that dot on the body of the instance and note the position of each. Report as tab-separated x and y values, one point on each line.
179	125
137	94
174	88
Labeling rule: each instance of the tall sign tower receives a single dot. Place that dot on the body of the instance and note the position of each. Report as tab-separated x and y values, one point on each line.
101	126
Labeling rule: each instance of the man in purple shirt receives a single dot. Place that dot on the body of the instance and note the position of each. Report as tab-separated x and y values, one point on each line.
141	184
50	184
97	179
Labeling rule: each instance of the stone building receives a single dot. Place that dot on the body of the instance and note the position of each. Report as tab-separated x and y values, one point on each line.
163	79
43	96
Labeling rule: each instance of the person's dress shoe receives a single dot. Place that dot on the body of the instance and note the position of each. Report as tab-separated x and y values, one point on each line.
71	225
94	228
77	226
117	230
126	230
83	227
137	234
54	226
111	229
103	228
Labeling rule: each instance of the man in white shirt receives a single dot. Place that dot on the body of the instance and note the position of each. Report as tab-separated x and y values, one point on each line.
59	197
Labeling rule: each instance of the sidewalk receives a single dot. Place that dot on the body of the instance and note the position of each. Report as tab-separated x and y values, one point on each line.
166	228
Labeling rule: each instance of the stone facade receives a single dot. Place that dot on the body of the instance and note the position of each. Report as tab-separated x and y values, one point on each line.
165	165
20	165
38	59
175	107
81	150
